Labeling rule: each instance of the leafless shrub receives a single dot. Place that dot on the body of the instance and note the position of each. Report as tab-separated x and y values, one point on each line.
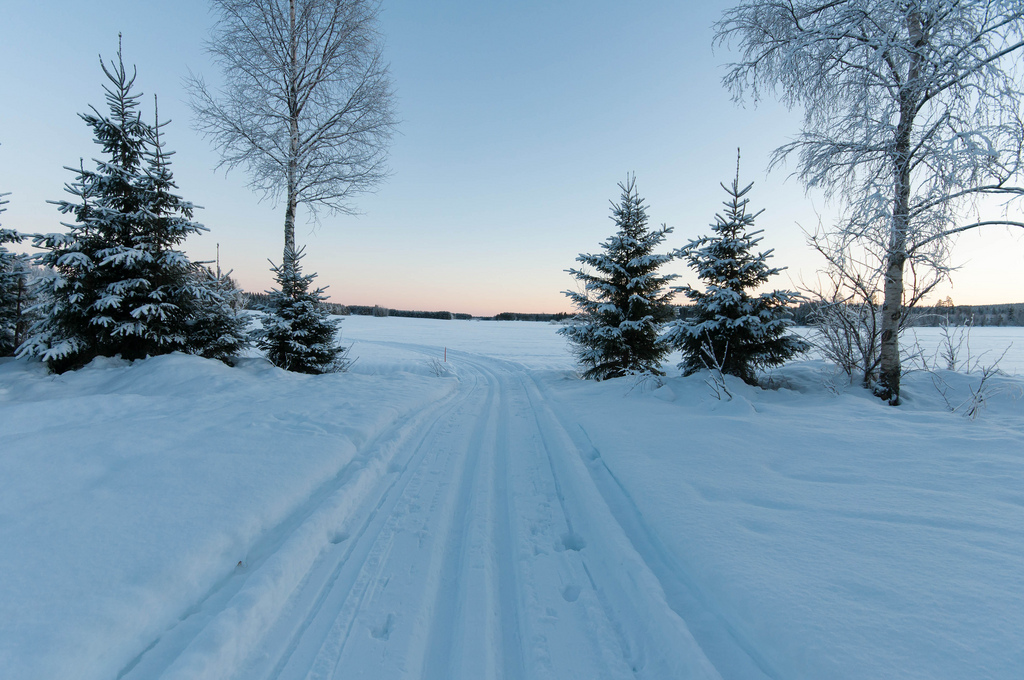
716	378
847	314
440	368
975	402
646	382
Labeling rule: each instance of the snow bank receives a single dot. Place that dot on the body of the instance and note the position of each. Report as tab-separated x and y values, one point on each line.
130	492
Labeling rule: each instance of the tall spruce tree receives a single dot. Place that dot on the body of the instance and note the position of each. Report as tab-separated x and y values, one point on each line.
297	334
625	301
732	329
118	285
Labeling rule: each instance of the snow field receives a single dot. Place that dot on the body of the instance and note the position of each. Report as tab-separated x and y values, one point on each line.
181	519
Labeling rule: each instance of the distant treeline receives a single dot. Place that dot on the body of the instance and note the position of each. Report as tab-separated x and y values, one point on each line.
377	310
949	314
260	300
516	316
802	315
976	315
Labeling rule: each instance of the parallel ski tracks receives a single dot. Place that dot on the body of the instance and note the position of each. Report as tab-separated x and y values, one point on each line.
435	530
488	550
364	477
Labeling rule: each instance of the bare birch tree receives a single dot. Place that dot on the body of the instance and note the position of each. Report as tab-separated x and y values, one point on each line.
306	107
911	117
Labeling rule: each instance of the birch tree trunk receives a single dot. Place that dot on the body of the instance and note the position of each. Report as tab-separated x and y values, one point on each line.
293	136
892	304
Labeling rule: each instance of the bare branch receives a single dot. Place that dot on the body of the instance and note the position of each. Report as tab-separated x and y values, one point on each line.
966	227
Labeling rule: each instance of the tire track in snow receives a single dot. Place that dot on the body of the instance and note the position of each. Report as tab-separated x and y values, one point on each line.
478	631
354	570
453	603
505	550
455	591
566	633
348	602
404	592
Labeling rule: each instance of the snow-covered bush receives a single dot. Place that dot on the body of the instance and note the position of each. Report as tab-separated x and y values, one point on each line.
624	302
15	298
733	330
846	304
297	334
847	333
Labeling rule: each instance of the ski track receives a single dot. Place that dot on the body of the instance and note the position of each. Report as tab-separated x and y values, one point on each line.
481	539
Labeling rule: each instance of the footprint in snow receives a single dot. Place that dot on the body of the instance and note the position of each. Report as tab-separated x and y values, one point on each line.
571	541
571	593
383	631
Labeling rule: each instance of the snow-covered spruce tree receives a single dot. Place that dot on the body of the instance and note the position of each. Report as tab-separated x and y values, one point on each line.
624	302
117	285
297	334
733	329
217	328
14	291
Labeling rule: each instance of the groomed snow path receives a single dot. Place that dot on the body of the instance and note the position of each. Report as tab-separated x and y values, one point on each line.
485	549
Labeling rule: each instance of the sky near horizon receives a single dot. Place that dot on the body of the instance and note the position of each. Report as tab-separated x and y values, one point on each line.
517	122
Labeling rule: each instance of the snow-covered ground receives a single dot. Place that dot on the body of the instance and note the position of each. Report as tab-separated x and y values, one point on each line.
498	518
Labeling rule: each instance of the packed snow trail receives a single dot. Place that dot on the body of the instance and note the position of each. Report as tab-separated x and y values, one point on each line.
485	551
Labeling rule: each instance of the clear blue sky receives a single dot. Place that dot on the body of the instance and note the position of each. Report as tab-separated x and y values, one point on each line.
518	119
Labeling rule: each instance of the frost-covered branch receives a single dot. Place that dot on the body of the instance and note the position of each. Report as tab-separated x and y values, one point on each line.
911	116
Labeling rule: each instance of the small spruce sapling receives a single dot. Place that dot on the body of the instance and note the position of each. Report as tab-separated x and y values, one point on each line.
732	329
218	329
297	334
624	303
